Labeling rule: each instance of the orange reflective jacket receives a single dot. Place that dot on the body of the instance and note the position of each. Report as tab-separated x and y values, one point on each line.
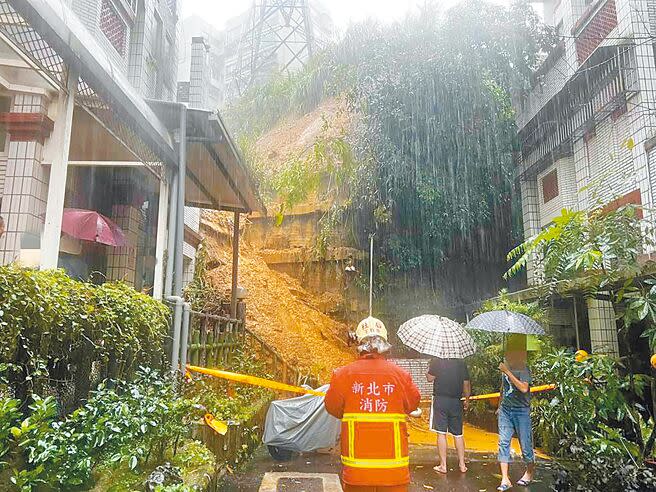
373	396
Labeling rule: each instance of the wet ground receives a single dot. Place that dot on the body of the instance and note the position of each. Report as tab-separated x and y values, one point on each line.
482	474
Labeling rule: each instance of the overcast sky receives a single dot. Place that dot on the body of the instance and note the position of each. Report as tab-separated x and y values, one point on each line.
343	11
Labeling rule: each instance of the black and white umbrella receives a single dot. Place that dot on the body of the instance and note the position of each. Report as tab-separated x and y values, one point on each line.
506	322
437	336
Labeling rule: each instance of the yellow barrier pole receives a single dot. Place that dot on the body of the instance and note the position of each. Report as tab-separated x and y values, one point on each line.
534	389
254	380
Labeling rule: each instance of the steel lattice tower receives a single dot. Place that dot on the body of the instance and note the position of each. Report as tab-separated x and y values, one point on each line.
279	38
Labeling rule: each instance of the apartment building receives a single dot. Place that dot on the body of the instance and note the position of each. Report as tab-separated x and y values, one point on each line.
89	122
270	37
587	127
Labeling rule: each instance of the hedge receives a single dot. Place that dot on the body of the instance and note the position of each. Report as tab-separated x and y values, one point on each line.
59	335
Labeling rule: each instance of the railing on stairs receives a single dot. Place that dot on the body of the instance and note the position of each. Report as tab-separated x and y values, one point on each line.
213	341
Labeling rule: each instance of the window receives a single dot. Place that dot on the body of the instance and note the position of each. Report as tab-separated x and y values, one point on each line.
113	26
550	186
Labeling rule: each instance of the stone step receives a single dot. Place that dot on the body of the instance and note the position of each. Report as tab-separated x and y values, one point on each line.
300	482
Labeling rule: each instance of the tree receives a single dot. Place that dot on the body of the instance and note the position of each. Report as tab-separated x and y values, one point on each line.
434	134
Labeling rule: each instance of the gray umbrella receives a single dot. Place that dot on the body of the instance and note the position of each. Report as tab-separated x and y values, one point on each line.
506	322
437	336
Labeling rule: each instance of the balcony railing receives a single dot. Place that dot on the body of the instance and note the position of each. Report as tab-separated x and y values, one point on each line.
588	98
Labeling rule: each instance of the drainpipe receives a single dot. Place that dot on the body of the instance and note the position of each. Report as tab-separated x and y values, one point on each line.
179	225
170	248
178	304
184	342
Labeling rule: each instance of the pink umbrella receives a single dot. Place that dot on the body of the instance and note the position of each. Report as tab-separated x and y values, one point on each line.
92	226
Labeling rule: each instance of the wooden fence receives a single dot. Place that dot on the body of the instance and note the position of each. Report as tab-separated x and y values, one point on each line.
214	340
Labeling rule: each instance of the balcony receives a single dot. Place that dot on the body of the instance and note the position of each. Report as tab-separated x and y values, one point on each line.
596	23
591	96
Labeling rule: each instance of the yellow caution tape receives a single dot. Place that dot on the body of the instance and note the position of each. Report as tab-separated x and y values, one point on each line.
254	380
534	389
219	426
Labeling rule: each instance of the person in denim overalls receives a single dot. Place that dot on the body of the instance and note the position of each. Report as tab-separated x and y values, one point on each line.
515	413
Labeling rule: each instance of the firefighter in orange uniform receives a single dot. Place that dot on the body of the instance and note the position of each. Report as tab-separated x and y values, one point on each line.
373	398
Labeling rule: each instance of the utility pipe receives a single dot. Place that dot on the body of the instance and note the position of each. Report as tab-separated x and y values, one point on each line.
178	303
371	274
184	342
179	224
235	267
170	247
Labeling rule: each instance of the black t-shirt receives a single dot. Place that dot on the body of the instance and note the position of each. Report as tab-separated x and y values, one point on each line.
449	374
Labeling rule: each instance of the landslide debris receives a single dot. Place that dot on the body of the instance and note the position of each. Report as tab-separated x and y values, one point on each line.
279	309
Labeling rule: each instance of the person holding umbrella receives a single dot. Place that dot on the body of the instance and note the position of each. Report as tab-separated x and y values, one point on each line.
449	343
514	412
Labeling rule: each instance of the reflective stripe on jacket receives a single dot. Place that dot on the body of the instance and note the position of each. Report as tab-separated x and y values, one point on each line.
372	397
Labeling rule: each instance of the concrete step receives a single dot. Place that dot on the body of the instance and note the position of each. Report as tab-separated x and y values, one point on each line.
300	482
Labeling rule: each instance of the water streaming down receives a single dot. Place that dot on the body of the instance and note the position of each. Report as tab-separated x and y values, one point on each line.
433	135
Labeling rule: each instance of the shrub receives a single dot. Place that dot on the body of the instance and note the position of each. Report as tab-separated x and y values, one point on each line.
592	424
53	328
121	422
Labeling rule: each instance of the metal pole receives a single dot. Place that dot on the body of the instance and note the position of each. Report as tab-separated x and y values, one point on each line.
184	345
235	266
177	320
179	224
576	324
170	246
371	275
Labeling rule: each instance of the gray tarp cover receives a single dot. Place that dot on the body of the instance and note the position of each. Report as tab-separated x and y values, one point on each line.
301	424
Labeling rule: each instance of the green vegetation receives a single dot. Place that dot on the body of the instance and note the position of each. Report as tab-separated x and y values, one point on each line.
597	423
433	137
504	303
66	335
594	423
597	253
122	422
78	407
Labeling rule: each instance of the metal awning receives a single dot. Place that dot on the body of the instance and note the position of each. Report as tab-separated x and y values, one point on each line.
217	177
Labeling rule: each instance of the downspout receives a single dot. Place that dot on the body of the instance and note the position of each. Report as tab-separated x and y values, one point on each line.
179	225
170	247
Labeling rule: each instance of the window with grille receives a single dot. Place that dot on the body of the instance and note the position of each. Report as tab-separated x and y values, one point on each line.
113	26
550	186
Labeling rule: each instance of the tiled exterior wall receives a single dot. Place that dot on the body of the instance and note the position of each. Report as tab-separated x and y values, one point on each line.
531	219
417	368
89	13
610	160
26	185
149	58
3	172
142	61
199	75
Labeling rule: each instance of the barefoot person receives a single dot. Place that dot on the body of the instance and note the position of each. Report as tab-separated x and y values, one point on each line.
450	378
514	411
372	397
